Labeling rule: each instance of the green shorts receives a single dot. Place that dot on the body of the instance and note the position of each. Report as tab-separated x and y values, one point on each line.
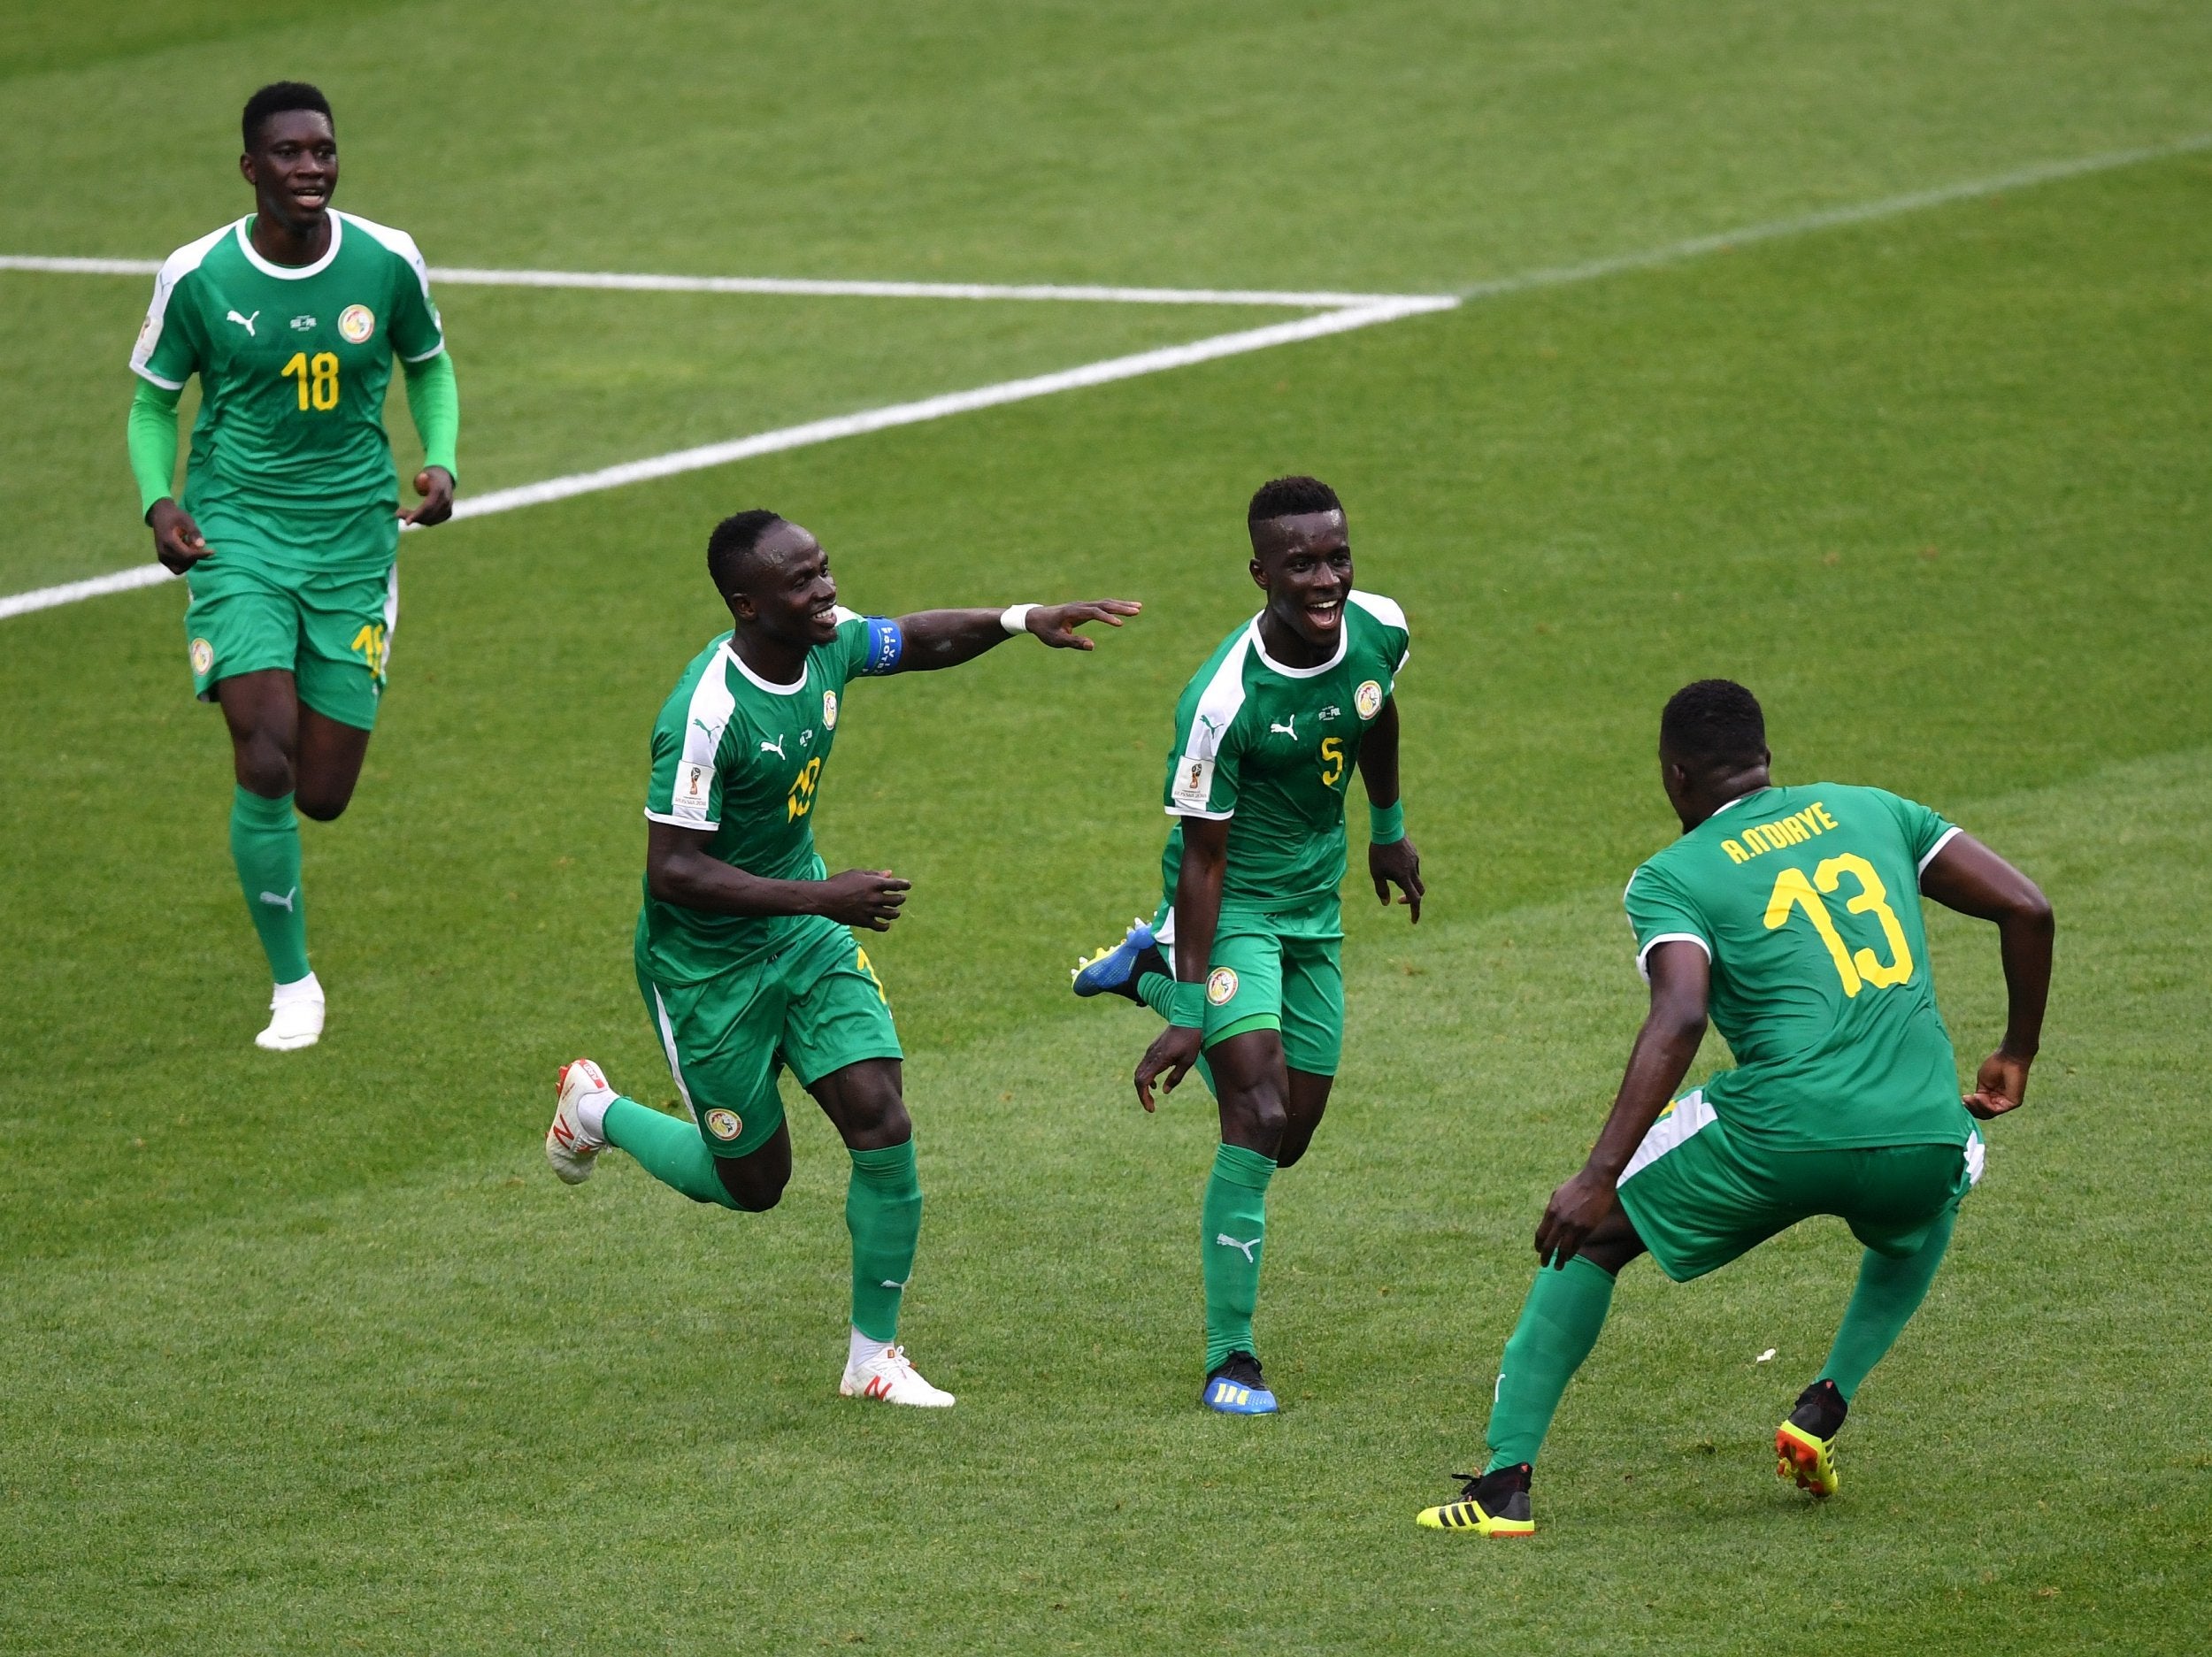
1280	970
253	607
814	1006
1699	1196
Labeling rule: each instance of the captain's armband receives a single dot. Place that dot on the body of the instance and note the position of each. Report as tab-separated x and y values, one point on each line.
886	645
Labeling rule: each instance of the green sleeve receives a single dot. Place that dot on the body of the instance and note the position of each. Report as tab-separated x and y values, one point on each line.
434	397
1659	911
152	430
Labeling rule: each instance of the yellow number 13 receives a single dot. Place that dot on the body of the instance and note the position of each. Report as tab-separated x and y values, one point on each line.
1792	891
318	376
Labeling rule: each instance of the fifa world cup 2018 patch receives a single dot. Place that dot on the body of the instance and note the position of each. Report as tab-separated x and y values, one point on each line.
725	1125
829	710
356	323
1221	986
1368	700
203	655
1194	783
694	787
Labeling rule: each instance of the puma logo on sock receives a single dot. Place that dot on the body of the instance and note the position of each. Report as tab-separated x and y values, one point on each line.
270	898
1222	1239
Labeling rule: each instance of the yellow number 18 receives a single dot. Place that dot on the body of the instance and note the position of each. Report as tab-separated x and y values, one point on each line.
1856	968
318	376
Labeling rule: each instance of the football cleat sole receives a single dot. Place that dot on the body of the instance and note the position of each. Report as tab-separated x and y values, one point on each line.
1811	1461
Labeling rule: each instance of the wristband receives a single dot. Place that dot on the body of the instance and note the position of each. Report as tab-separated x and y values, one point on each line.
1186	1006
1015	618
1386	824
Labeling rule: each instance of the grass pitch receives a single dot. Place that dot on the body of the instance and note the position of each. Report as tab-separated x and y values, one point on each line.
312	1351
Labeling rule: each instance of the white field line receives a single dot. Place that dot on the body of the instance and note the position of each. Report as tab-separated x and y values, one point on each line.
1357	311
799	286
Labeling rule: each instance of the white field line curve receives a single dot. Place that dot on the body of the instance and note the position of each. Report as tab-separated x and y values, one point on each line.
795	286
1370	310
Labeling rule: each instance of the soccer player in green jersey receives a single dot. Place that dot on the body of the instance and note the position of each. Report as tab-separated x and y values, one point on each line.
1267	735
745	954
1789	915
288	529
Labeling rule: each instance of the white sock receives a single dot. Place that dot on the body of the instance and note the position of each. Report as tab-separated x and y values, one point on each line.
591	1113
306	989
862	1349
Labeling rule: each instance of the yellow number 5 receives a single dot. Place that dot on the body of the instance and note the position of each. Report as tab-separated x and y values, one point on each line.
318	376
1856	968
1331	760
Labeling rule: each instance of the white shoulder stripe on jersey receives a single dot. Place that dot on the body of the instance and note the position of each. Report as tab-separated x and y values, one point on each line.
400	242
1385	611
842	614
1219	704
709	714
1942	839
174	269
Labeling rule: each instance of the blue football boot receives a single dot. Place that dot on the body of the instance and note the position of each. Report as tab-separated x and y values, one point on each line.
1237	1388
1116	971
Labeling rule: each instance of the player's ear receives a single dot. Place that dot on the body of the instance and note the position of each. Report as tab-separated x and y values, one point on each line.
1259	573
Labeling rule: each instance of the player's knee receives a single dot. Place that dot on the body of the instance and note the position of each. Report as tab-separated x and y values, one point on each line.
754	1190
322	808
262	767
1261	1121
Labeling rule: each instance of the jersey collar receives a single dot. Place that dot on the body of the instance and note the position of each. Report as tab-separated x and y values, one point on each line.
291	272
1739	799
1343	643
729	649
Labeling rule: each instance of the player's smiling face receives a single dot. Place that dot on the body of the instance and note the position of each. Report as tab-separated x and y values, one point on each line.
789	589
1304	565
293	166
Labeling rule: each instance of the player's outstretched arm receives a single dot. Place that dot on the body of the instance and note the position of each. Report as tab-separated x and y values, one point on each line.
946	638
1391	857
1197	916
1680	978
679	870
1970	878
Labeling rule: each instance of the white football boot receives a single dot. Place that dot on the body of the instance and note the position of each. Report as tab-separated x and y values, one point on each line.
888	1377
295	1017
571	1148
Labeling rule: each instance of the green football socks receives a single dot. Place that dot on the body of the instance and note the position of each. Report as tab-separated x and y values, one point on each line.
668	1148
1156	991
1889	1292
264	843
1559	1324
883	1211
1232	1223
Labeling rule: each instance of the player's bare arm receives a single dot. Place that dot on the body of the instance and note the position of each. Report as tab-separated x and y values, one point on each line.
680	868
1966	876
1395	862
947	638
1198	915
1664	1049
434	485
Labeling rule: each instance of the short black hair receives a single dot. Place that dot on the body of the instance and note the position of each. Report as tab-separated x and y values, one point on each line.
1291	497
1714	720
276	99
732	541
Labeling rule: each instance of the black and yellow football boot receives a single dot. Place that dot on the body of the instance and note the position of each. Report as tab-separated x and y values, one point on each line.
1805	1445
1489	1504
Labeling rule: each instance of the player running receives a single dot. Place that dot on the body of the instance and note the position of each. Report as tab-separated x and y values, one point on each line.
288	531
744	953
1790	914
1267	733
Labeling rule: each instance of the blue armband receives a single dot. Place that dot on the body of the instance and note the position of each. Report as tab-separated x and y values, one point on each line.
886	645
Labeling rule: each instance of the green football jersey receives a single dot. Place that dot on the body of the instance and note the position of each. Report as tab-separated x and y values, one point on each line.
292	365
1807	900
741	757
1271	749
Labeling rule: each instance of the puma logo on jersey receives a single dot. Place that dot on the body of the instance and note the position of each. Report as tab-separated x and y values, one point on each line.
244	322
1289	728
1222	1239
270	898
775	748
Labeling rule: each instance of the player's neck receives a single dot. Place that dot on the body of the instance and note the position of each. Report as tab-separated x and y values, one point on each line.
1723	791
280	244
1287	646
772	659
